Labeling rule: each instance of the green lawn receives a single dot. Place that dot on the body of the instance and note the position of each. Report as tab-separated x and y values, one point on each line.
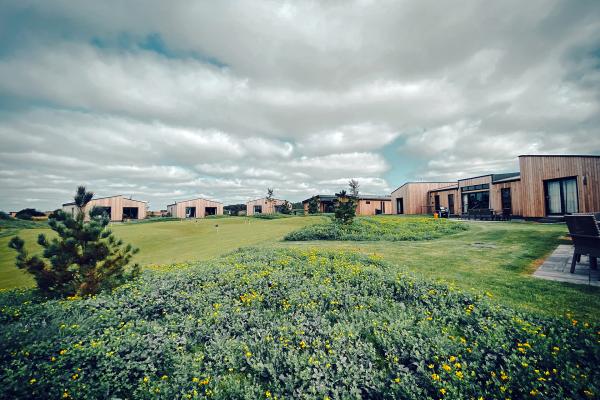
169	242
494	257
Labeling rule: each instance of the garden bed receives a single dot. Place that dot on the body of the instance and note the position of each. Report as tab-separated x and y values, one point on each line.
379	228
293	324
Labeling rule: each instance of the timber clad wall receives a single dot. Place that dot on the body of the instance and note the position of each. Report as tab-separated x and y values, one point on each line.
444	193
268	207
479	180
370	206
516	195
178	209
536	169
116	204
415	196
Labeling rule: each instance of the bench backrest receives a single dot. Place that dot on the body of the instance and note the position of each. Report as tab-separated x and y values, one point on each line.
582	225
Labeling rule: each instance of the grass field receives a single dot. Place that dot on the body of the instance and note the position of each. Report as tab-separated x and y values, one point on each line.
494	257
289	323
168	242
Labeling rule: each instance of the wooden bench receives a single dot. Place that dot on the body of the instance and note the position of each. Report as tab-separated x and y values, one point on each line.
585	233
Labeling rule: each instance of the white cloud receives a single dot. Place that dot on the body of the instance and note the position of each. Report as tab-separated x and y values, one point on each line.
300	96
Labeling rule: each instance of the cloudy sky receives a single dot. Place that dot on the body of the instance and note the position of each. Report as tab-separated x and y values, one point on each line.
170	100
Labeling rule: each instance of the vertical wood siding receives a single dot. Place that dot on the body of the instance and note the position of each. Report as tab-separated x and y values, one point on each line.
362	208
178	209
267	207
444	198
536	169
516	194
116	204
415	195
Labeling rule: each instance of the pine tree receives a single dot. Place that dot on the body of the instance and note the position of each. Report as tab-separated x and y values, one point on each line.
313	205
84	259
285	208
354	186
345	207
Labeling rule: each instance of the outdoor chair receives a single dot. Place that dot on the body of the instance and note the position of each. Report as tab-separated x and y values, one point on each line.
505	216
584	231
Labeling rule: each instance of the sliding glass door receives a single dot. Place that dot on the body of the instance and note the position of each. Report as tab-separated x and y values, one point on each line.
561	196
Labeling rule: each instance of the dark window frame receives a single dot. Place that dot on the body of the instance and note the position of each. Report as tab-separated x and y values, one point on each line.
563	205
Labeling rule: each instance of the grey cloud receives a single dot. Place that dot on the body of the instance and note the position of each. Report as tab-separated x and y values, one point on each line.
300	96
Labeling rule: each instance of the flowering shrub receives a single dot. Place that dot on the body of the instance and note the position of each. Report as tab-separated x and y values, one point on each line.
289	324
271	216
379	228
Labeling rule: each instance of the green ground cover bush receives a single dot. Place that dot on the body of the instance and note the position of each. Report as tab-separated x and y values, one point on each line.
289	323
9	227
271	216
379	228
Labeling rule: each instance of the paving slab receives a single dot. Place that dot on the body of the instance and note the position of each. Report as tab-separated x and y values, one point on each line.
557	267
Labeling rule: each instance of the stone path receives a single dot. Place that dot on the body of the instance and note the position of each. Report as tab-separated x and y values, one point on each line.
557	267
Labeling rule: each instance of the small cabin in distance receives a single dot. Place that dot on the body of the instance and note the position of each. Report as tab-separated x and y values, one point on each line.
118	208
195	208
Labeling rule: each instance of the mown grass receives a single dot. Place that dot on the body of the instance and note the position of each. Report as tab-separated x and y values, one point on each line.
290	323
167	242
386	228
494	257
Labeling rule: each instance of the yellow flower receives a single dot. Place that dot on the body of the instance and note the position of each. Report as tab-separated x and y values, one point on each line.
268	394
65	395
164	377
446	367
52	358
146	379
248	354
533	392
435	377
75	376
443	391
397	380
430	366
588	393
556	348
32	381
452	358
459	374
63	352
194	379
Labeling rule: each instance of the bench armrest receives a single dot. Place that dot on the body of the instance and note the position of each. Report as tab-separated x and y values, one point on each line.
584	236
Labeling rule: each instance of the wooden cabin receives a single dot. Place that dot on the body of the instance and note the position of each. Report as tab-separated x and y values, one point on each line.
119	208
373	205
559	185
493	191
264	206
413	197
195	208
326	203
545	186
446	197
366	205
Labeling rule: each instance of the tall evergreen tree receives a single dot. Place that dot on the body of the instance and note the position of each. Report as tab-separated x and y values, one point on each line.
354	186
345	207
84	259
313	205
285	208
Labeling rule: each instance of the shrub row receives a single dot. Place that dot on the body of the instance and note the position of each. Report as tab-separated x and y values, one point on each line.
289	324
379	228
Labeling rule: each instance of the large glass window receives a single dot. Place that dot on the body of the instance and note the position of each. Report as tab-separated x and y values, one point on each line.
476	200
561	196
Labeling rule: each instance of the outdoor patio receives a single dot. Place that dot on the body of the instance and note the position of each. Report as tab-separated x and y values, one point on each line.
557	267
